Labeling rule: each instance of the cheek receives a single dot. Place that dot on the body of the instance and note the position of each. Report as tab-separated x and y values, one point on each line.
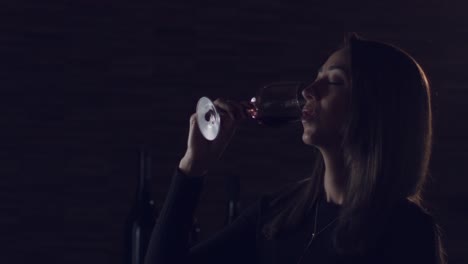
335	112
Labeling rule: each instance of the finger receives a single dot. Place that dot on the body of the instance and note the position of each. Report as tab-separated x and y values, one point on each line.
237	110
193	119
240	109
194	129
193	124
224	108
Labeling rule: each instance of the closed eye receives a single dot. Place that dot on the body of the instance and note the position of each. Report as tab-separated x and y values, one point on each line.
336	83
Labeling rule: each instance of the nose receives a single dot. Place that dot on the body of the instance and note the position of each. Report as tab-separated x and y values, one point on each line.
310	92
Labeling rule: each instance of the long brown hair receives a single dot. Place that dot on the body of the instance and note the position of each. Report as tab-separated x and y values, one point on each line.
386	146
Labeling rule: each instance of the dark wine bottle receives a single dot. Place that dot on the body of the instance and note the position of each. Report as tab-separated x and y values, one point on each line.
232	193
194	234
142	215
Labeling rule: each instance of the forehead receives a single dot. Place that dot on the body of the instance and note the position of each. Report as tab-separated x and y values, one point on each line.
338	58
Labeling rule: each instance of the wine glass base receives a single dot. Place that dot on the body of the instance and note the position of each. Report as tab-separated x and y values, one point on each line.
208	119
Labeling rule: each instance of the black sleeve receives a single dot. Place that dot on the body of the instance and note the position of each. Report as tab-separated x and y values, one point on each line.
169	240
412	239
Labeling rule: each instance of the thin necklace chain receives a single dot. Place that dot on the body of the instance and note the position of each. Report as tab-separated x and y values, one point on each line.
316	233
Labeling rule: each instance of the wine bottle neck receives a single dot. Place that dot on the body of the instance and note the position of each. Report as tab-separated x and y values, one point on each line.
144	179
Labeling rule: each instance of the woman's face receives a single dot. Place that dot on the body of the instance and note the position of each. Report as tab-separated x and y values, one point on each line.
327	100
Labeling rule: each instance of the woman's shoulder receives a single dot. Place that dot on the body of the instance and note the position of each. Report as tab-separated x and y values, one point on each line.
407	211
411	235
412	219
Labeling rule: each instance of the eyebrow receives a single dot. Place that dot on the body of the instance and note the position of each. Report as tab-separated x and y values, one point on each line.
336	67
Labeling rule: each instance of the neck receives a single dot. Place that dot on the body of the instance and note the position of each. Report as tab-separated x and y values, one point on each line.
335	175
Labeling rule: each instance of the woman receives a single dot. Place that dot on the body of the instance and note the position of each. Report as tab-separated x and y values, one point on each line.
368	115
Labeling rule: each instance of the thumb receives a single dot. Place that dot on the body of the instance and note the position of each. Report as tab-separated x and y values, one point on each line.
195	134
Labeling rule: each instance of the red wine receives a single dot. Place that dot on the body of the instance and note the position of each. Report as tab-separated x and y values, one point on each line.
276	121
142	216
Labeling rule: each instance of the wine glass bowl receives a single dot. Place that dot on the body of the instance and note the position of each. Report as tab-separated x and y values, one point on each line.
276	104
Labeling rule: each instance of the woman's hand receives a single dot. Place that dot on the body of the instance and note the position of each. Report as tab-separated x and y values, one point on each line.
202	153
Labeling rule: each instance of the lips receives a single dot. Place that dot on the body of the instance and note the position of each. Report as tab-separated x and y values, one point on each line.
308	113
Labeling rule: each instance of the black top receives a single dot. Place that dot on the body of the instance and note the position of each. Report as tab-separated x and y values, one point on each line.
409	238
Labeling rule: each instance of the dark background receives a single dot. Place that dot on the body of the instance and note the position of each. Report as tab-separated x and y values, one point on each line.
84	84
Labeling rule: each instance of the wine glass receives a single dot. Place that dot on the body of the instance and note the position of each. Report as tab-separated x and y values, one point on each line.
276	104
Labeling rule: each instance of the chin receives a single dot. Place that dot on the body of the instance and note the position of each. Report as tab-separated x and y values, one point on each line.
313	136
309	138
320	138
